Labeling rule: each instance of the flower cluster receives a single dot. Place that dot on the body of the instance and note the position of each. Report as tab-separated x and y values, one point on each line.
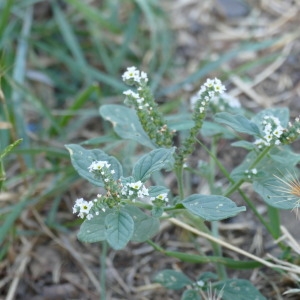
160	199
83	208
133	190
272	130
290	134
213	87
208	91
224	102
146	108
132	76
102	169
103	172
98	166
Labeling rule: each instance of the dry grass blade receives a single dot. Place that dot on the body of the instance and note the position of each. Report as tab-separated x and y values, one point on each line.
66	245
21	262
266	263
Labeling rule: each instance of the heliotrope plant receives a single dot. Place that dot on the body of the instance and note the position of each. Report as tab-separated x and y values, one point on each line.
129	208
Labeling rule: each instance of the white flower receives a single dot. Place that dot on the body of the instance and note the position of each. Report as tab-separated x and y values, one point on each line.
131	73
98	165
163	197
136	185
132	94
144	76
143	192
82	207
212	86
89	216
254	171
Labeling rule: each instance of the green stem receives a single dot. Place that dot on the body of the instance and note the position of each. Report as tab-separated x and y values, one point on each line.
103	257
274	218
203	259
221	270
273	228
257	214
179	175
238	183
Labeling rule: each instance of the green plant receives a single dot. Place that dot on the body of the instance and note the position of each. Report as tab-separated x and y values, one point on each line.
130	207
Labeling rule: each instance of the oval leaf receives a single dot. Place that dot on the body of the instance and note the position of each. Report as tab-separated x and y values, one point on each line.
238	289
126	123
81	159
119	229
145	226
154	191
93	230
271	190
238	122
151	162
211	207
172	279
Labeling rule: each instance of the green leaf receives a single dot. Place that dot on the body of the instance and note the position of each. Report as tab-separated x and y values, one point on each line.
119	229
145	227
172	279
284	155
211	207
93	230
238	122
126	123
151	162
81	159
191	295
270	189
238	289
212	129
244	144
279	158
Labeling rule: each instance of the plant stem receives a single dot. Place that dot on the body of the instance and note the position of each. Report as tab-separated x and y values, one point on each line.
257	214
103	256
179	175
238	183
273	228
217	249
274	218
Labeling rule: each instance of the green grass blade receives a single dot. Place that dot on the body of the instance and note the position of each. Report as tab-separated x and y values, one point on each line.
94	73
10	219
70	39
94	15
79	102
4	16
19	77
129	34
37	103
